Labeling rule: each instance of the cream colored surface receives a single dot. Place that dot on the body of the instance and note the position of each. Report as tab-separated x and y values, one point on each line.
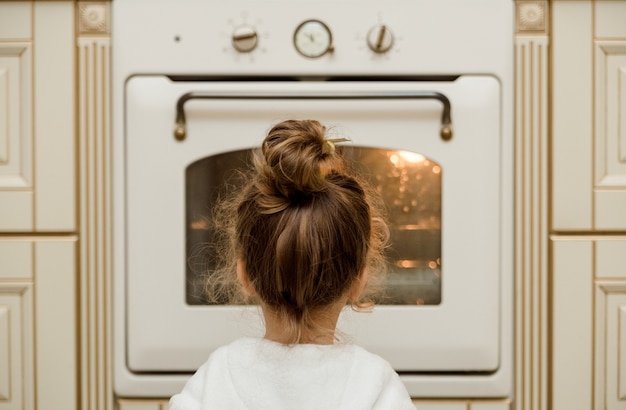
55	328
572	380
142	405
15	20
589	365
55	173
589	269
38	359
589	113
489	405
441	405
609	18
37	154
37	311
16	256
37	323
610	259
572	109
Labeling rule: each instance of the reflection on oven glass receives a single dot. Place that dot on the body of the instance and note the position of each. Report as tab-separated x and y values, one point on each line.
409	183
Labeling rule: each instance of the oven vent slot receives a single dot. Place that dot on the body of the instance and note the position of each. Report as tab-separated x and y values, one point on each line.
300	78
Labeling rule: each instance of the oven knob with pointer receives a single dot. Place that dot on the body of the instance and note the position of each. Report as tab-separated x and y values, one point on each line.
244	39
380	39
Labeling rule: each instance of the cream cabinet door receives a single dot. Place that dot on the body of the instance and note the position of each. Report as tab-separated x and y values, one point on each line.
589	322
16	345
610	323
589	113
38	320
37	149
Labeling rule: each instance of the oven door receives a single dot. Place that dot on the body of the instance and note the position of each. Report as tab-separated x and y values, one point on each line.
171	126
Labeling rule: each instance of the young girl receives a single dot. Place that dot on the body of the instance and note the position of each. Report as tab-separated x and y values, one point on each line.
308	239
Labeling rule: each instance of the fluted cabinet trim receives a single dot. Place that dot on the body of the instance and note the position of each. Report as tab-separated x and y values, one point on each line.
94	131
531	228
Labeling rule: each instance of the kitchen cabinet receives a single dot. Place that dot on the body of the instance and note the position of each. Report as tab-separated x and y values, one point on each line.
588	241
589	113
588	212
37	328
37	143
589	322
38	241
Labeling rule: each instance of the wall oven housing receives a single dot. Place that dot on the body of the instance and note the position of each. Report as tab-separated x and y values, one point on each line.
429	115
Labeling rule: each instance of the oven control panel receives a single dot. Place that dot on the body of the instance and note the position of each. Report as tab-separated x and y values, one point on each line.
312	38
315	39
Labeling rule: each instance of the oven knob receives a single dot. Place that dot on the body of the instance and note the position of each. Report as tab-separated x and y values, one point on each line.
380	39
245	39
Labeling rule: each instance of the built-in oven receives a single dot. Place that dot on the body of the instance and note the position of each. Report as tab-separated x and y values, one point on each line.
423	92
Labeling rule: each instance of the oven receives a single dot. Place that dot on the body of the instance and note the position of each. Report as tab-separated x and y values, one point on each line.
422	89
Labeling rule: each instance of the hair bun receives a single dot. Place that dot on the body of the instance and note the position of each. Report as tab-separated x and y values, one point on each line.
296	158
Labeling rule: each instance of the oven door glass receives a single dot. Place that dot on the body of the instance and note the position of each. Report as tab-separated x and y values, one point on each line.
443	197
409	184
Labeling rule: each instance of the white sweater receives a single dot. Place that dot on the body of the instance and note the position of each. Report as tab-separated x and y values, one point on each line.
260	374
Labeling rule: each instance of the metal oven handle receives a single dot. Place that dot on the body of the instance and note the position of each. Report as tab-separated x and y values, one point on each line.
180	130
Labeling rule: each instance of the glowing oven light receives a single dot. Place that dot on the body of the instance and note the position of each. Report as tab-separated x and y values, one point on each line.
399	157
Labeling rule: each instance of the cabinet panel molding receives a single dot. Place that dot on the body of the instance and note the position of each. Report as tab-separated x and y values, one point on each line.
16	137
5	353
15	116
16	346
621	353
610	135
610	340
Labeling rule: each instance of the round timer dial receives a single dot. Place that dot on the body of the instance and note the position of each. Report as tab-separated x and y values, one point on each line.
313	39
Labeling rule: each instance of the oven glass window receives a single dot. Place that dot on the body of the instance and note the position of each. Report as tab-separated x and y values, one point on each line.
409	183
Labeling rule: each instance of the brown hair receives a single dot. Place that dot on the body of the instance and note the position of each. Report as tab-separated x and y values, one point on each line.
304	226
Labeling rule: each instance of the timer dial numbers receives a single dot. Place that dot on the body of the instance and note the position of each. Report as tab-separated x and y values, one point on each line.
313	39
